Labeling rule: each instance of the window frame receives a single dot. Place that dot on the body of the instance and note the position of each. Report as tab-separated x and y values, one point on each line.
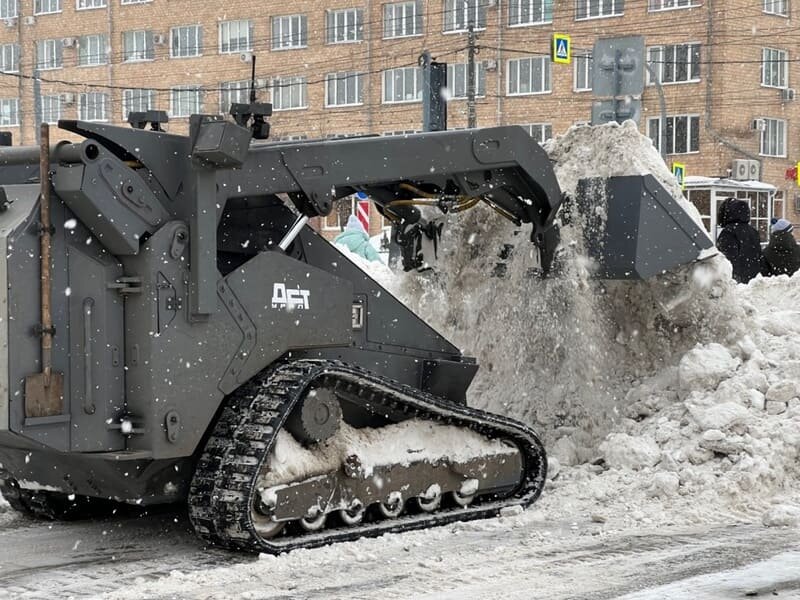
416	19
13	104
90	59
248	46
95	4
37	4
289	83
770	11
303	33
588	68
660	64
690	130
480	8
616	11
543	129
47	109
126	102
83	105
344	77
688	4
198	39
784	130
547	75
129	55
178	89
9	9
228	88
546	8
13	49
417	84
480	79
332	26
57	51
783	65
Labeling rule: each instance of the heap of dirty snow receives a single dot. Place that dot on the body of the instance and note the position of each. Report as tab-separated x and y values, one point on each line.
671	400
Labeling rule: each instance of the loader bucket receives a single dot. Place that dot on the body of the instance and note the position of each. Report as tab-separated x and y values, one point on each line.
635	229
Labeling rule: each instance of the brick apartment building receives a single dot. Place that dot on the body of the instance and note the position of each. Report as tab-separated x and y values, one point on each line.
345	67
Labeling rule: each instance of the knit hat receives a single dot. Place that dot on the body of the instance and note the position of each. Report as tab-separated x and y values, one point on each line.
781	225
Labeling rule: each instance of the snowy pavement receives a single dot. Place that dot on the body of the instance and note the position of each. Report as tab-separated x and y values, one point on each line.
511	558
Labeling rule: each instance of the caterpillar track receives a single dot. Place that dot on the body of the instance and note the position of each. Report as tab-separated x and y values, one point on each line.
226	505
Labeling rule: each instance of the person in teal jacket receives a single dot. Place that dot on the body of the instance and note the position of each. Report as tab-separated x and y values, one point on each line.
356	239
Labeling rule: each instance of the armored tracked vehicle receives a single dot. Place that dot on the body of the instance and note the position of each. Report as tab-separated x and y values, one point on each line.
172	330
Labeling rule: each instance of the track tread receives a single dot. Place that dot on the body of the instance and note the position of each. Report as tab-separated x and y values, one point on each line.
224	483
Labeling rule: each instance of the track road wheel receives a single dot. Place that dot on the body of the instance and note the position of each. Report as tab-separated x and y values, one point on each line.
314	521
431	500
354	514
392	506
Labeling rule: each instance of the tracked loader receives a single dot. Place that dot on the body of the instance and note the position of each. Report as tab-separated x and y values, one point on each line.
172	330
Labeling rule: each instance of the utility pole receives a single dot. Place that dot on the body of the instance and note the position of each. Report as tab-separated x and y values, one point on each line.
472	119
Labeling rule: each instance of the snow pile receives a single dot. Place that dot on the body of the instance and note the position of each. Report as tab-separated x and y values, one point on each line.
670	400
401	443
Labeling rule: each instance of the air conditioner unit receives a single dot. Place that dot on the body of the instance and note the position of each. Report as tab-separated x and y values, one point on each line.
159	39
788	94
67	98
745	170
758	124
261	84
490	64
10	23
68	42
246	57
30	20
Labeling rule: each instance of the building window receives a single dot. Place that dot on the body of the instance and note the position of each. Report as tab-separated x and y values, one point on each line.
777	7
402	19
774	67
344	26
654	5
530	12
135	1
43	7
402	85
457	76
678	63
596	9
51	109
288	93
343	89
539	131
137	45
92	106
233	92
528	75
460	14
186	41
92	50
9	58
682	135
137	100
185	100
86	4
8	9
289	32
235	36
773	138
583	72
9	111
49	54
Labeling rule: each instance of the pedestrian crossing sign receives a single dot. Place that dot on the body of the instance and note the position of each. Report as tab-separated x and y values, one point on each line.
679	171
562	48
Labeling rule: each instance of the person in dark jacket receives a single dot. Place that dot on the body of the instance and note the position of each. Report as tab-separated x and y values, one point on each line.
738	240
782	255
